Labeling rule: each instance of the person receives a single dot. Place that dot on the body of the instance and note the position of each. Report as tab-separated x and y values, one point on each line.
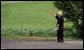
60	22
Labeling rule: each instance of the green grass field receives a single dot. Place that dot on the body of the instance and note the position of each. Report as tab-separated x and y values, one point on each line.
24	17
29	15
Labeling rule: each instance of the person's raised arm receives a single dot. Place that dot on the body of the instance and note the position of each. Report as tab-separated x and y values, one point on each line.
52	13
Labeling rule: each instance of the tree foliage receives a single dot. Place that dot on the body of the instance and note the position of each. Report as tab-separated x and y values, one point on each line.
73	11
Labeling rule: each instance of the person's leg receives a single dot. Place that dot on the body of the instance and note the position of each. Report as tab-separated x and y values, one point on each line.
61	35
58	36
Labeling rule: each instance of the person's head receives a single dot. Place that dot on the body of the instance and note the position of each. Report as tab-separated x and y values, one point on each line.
59	14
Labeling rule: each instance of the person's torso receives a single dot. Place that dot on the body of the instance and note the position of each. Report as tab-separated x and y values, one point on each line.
60	21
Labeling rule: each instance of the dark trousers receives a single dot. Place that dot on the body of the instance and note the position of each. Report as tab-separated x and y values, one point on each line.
60	35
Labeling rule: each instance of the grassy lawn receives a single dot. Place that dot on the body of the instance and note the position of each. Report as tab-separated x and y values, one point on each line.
27	14
24	17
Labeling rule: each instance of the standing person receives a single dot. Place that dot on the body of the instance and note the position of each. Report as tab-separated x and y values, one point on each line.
60	22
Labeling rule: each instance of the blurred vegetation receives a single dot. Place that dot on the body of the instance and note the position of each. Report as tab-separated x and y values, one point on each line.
19	19
73	11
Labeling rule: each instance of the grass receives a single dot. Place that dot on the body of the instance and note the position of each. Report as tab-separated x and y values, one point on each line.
40	38
30	14
18	19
